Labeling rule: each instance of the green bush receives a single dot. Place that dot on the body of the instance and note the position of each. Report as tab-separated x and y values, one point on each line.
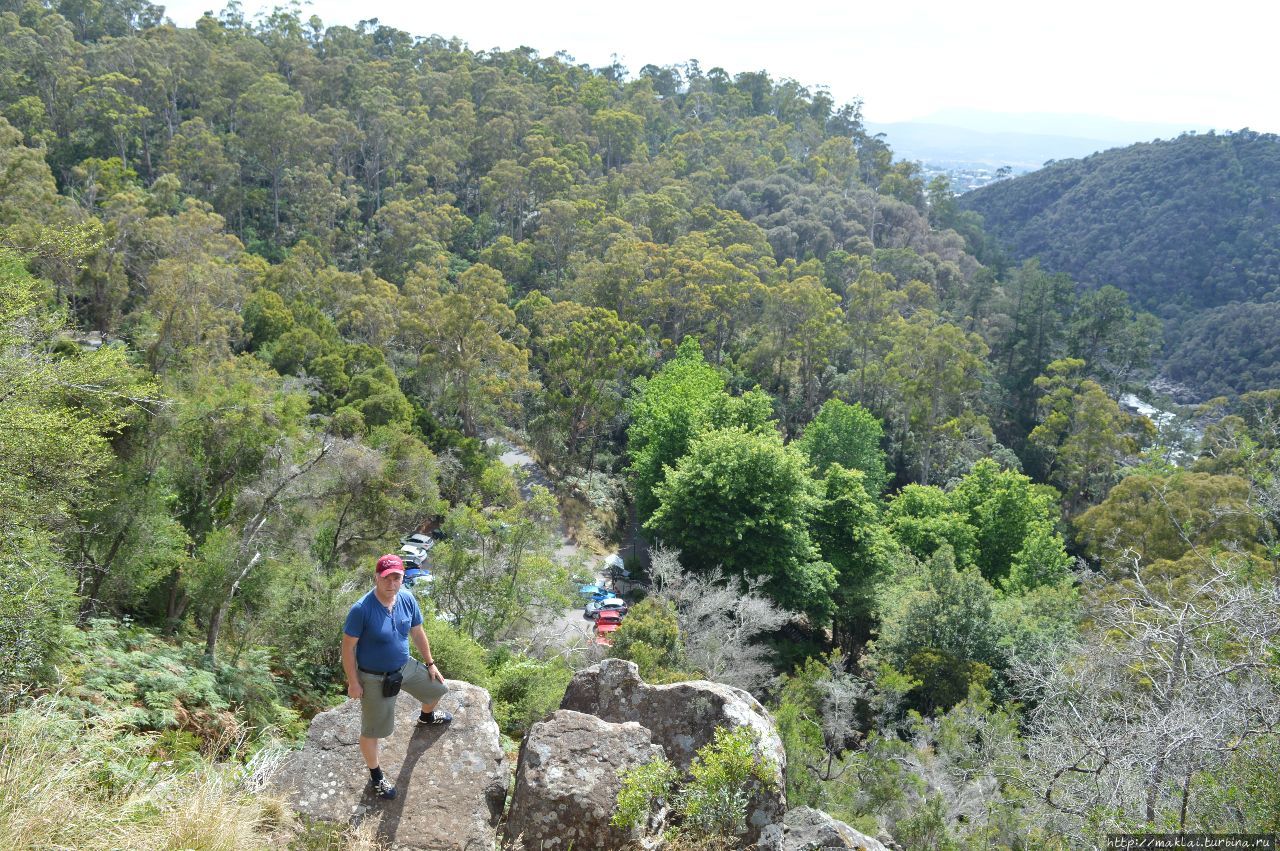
724	773
458	656
711	806
650	637
642	787
525	690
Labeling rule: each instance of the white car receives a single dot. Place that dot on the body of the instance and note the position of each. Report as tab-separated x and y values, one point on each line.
418	539
595	607
415	552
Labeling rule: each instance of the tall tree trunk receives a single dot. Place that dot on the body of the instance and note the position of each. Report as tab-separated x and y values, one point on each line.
1186	796
177	603
220	613
1154	778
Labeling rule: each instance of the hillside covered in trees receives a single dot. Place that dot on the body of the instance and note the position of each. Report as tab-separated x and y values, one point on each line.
1190	228
266	288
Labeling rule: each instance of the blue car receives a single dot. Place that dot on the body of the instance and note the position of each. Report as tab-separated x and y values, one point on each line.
417	576
589	591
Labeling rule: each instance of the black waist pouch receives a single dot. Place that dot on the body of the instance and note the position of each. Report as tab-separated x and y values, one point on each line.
391	683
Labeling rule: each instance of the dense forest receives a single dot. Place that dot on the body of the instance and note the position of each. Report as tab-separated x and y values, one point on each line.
267	288
1190	228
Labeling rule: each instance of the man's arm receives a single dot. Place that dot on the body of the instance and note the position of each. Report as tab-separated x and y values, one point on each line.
354	689
419	636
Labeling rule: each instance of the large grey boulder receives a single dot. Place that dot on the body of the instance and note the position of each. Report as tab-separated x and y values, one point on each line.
451	781
568	779
682	718
807	829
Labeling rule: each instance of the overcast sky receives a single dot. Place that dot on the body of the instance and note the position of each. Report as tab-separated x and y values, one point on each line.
1193	65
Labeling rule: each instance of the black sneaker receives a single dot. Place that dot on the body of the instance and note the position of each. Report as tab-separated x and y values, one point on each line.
383	788
434	719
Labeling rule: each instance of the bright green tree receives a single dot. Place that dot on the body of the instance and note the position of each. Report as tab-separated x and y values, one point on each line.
848	531
923	519
848	435
741	500
667	411
1014	519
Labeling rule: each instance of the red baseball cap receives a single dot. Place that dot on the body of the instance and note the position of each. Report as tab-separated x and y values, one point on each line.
390	564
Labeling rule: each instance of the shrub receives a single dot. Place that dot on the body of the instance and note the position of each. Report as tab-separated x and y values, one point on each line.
724	773
650	637
459	657
525	690
642	787
711	806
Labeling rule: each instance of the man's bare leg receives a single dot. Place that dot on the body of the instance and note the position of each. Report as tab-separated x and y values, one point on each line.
369	750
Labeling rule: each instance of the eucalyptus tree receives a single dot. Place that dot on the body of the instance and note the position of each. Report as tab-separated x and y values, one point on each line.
586	358
474	357
933	370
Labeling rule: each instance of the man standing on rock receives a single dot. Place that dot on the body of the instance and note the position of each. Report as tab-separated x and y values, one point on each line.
375	656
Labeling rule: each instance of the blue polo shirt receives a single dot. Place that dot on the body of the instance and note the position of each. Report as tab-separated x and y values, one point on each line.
383	643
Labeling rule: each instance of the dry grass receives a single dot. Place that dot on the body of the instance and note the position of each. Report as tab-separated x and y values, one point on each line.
67	786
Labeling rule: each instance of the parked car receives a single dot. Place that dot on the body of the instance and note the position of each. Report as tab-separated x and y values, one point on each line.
592	608
417	576
607	623
419	539
415	551
589	591
595	607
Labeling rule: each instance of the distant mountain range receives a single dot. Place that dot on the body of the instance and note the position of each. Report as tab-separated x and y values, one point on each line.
974	139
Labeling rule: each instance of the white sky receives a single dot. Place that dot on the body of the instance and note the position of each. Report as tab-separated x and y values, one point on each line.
1205	64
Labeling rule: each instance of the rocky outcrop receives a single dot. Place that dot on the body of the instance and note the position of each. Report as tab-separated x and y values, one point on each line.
452	780
568	779
807	829
683	717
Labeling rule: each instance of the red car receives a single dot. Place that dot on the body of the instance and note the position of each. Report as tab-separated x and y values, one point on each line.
606	623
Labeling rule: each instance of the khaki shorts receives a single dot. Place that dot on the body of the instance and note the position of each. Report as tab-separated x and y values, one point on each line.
378	713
